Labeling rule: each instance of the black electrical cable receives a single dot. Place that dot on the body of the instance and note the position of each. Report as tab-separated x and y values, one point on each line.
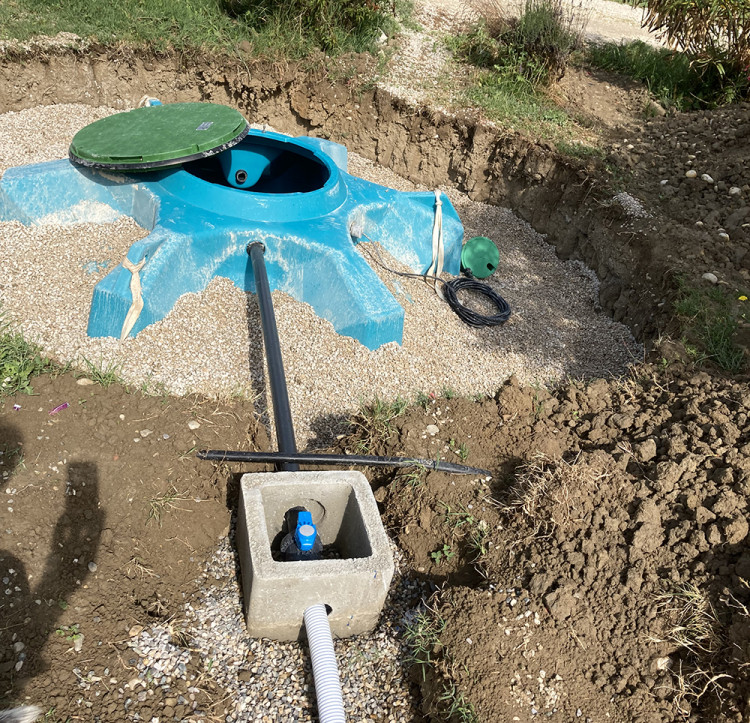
450	292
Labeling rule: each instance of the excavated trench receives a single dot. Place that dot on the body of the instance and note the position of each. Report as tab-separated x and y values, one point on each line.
556	195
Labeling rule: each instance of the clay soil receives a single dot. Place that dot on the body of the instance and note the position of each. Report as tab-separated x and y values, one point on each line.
598	575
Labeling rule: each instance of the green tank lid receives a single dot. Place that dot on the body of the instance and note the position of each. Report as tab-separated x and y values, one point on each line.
480	256
158	136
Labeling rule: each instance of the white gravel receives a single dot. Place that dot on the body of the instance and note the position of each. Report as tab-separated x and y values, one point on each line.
211	342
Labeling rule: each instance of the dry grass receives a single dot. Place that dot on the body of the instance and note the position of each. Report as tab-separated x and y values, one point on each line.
548	492
699	636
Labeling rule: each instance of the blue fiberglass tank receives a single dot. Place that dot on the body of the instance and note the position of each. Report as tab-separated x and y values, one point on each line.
292	194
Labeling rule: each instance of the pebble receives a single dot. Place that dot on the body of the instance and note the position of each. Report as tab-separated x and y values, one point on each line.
92	567
84	382
705	177
724	236
711	278
735	191
146	432
432	429
192	424
691	173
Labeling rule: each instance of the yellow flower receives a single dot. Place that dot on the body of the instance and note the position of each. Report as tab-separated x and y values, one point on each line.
742	298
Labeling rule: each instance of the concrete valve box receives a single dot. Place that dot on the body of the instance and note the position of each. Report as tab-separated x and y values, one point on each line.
353	585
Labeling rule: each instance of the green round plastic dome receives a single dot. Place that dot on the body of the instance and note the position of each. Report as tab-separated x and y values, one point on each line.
480	256
158	136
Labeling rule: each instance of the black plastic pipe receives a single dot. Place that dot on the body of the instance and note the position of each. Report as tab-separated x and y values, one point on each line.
363	460
282	412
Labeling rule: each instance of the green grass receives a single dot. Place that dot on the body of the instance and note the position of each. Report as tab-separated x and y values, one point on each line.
514	102
422	637
454	706
709	323
668	74
291	29
374	422
104	375
20	361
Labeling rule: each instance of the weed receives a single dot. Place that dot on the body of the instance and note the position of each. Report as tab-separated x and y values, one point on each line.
454	705
104	375
443	554
475	531
576	149
20	361
187	453
696	625
11	459
414	477
168	501
448	393
374	422
62	604
424	400
422	637
709	324
69	632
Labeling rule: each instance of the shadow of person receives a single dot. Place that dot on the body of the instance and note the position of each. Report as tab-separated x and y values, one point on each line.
30	613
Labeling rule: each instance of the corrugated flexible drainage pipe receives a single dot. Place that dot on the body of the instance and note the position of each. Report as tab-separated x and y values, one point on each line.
325	668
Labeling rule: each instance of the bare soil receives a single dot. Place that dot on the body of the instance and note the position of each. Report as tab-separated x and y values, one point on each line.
599	575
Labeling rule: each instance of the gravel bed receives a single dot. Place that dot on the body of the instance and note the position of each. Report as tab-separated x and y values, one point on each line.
261	679
211	342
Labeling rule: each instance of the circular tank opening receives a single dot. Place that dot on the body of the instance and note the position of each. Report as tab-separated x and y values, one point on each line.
261	165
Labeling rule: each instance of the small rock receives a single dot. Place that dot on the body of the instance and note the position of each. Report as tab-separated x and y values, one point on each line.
705	177
135	631
92	567
703	515
646	451
432	429
711	278
735	191
18	647
78	643
84	382
146	432
192	424
691	173
724	236
664	182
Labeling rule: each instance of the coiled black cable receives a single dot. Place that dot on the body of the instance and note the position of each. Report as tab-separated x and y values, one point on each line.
450	292
467	315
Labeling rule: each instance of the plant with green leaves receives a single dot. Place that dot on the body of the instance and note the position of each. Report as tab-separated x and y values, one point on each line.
714	34
20	361
442	554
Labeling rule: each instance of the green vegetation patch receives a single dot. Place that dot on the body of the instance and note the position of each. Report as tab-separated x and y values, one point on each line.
669	75
709	322
271	27
20	362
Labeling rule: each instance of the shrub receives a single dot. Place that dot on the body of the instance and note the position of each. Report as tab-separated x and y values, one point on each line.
715	35
535	47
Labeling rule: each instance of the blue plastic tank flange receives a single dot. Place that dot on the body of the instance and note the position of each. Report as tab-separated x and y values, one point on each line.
296	198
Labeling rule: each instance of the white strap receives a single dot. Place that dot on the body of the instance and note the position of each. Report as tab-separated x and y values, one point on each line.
436	267
135	291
